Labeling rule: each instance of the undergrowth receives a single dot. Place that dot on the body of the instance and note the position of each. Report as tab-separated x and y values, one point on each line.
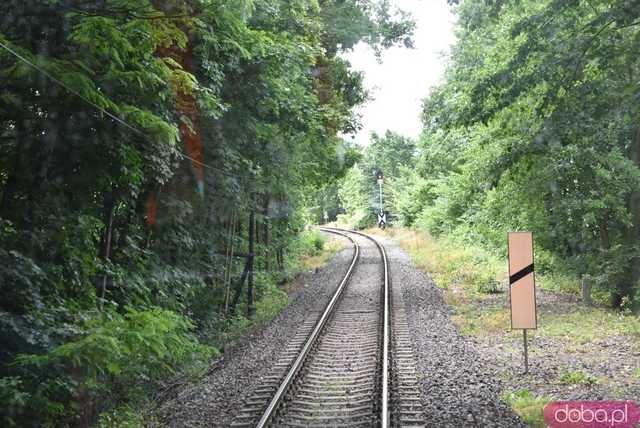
107	373
468	274
528	406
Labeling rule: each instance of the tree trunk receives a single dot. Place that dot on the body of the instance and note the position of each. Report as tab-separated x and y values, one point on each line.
229	264
633	276
238	292
252	235
7	195
47	148
266	237
105	250
280	258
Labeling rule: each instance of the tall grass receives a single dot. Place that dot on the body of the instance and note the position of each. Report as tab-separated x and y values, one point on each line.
456	262
453	263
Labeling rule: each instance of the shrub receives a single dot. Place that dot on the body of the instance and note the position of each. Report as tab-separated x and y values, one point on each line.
359	220
312	242
529	407
121	357
577	378
121	417
12	399
488	286
272	301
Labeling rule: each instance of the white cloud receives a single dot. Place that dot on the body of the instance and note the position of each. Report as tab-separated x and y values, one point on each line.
403	79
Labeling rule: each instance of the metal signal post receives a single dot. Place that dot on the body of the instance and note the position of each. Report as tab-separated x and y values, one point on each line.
382	217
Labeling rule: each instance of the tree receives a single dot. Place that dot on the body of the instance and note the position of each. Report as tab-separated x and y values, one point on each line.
536	122
394	155
154	161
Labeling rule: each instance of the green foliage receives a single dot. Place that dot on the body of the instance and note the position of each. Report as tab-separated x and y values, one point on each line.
272	301
360	219
140	345
121	357
13	399
121	417
408	194
577	378
351	21
359	196
535	128
529	407
105	204
312	242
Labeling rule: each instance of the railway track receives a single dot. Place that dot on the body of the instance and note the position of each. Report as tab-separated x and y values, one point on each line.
349	365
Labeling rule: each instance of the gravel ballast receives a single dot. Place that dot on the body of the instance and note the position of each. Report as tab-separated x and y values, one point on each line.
217	398
459	387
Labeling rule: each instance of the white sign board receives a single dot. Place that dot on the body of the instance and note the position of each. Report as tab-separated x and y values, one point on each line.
382	219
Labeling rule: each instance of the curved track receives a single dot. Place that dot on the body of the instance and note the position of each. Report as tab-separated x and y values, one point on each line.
339	369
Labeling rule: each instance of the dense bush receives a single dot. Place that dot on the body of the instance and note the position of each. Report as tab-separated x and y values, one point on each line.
155	158
312	242
538	125
119	358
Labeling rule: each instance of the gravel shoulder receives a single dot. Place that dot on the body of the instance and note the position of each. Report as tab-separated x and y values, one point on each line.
577	353
460	388
215	399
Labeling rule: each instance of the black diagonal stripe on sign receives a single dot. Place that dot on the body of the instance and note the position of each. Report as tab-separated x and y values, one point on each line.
521	274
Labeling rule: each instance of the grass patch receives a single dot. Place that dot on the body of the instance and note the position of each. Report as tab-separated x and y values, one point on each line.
453	264
469	274
588	325
471	321
322	256
496	320
558	282
577	378
529	407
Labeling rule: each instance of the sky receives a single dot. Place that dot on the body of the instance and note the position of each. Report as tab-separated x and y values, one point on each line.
401	82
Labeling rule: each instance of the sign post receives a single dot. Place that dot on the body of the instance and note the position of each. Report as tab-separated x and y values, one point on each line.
382	217
522	286
382	220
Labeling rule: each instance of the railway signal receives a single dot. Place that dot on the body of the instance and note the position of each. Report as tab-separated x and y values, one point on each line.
382	217
522	286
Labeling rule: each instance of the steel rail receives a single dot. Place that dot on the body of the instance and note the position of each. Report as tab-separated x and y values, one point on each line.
298	363
384	393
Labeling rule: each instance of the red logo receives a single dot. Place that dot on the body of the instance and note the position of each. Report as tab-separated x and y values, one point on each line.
592	414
